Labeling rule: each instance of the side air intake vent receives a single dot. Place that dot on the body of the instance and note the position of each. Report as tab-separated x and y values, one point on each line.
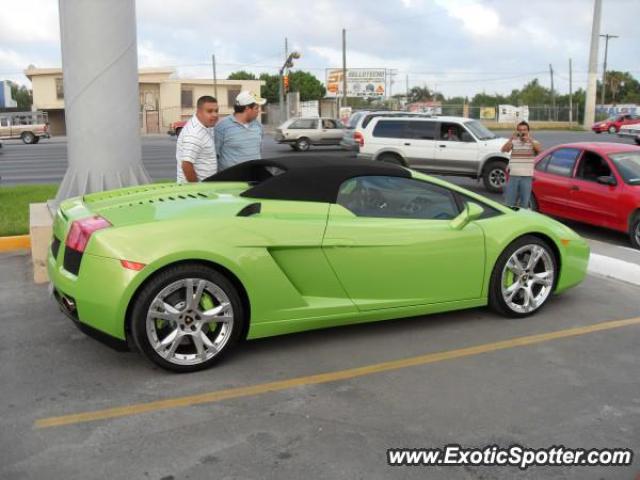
251	209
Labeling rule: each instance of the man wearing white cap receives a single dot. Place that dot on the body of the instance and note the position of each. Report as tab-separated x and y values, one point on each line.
239	136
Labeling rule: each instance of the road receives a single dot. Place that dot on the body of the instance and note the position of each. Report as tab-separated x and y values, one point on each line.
566	376
46	162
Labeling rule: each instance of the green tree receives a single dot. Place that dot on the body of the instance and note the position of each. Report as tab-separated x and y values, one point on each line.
307	84
241	75
270	90
22	95
419	94
622	87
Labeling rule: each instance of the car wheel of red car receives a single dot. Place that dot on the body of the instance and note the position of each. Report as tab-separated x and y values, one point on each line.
634	231
178	130
533	203
612	129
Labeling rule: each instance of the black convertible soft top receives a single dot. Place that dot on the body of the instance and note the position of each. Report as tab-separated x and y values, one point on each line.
303	177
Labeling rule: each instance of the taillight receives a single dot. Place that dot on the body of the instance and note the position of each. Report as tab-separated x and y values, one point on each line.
81	231
359	138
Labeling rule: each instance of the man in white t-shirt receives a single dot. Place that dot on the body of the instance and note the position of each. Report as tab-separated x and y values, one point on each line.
195	149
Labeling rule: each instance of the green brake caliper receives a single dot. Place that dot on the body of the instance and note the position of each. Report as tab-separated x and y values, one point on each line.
207	303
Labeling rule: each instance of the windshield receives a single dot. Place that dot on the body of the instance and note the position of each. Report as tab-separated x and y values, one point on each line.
479	130
628	164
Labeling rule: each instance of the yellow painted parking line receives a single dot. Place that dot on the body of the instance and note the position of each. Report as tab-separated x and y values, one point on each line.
252	390
18	242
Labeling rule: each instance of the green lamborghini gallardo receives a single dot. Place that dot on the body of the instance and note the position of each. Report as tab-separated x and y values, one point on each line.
182	272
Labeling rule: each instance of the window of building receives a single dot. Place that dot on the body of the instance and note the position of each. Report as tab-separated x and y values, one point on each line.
231	96
59	89
186	98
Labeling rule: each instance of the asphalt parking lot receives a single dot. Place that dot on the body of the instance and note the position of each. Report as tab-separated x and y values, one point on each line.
75	409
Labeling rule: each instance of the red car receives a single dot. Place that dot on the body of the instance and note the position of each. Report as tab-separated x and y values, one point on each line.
613	124
176	127
595	183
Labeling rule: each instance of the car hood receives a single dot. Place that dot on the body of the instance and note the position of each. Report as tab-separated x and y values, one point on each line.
159	202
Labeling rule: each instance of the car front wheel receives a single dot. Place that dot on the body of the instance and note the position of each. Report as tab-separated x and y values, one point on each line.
523	278
303	144
612	129
187	318
634	231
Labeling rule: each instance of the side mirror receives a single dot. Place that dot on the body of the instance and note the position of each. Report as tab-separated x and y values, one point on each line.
471	212
607	180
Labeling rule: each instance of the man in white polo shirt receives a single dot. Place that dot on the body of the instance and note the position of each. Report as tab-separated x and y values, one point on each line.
195	149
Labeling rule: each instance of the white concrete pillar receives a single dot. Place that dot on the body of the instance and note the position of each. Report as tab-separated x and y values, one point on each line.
100	72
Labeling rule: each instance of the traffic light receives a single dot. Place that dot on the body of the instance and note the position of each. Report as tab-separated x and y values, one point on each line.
286	83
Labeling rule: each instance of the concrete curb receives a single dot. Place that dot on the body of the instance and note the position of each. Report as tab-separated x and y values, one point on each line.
18	242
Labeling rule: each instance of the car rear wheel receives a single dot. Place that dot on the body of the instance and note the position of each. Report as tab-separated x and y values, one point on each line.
36	140
637	140
494	176
612	129
187	318
523	278
28	138
293	147
303	144
178	130
634	231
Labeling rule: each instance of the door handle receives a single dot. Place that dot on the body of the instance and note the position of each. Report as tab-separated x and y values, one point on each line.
442	146
407	144
574	188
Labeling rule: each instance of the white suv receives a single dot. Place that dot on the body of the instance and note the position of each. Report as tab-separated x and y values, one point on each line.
442	145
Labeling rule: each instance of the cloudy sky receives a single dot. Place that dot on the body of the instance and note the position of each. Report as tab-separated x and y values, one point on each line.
460	47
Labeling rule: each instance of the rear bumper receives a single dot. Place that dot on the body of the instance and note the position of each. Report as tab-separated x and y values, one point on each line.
97	298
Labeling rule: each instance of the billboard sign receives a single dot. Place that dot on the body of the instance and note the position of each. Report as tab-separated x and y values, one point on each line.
361	82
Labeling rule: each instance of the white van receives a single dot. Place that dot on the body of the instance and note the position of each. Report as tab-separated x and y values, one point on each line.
442	145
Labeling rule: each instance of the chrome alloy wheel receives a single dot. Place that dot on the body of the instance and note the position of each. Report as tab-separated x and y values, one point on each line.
497	178
527	278
189	321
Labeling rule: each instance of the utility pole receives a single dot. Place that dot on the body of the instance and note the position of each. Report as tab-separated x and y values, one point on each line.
570	93
406	81
344	67
604	68
281	84
392	73
590	102
553	95
215	77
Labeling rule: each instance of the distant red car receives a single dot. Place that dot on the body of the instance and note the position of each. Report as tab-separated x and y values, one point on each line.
595	183
176	127
613	124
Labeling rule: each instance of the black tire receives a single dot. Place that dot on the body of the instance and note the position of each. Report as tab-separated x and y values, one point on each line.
293	147
391	158
36	140
533	203
496	300
634	231
178	130
28	138
637	140
612	129
303	144
156	284
494	176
